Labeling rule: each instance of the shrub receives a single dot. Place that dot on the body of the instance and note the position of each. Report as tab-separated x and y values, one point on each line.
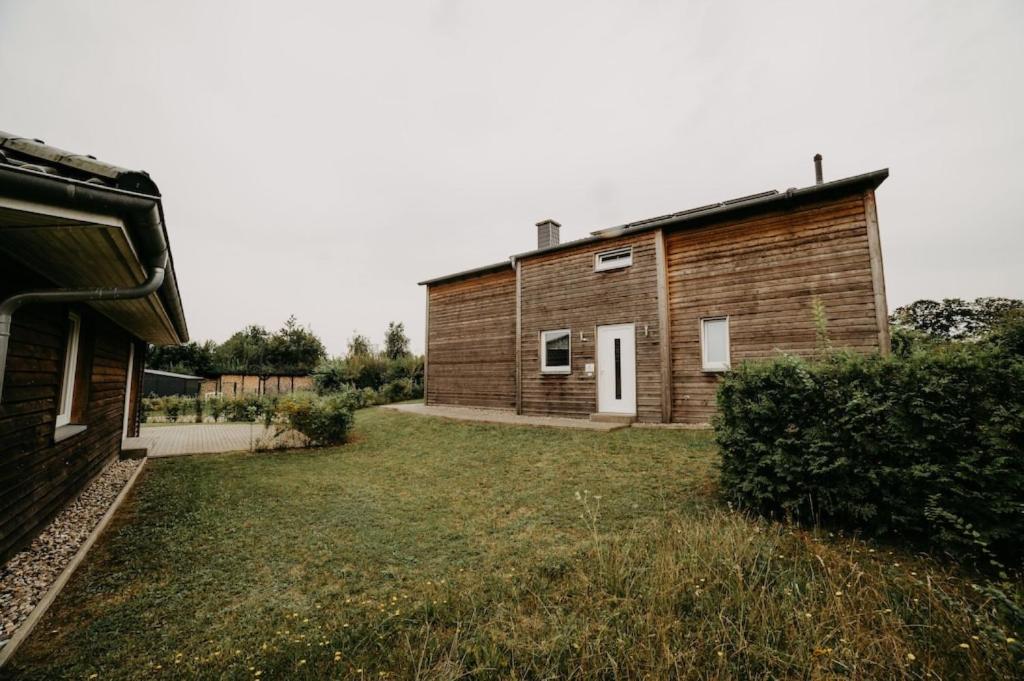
217	407
269	409
409	366
330	376
366	371
930	446
322	419
1009	335
172	408
246	408
368	397
397	390
197	408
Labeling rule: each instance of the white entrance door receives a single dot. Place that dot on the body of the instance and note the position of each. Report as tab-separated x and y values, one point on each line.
616	369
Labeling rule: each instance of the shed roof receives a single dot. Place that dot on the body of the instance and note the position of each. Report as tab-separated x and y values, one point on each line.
171	374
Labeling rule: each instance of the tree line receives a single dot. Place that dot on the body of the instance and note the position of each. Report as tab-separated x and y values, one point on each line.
292	349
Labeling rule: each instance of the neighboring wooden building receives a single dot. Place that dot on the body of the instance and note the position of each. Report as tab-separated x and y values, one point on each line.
236	385
167	384
71	359
639	321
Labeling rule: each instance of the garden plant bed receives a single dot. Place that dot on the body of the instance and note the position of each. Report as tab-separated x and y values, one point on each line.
433	549
29	574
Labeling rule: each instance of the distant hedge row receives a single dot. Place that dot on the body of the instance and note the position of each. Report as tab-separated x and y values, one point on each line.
928	445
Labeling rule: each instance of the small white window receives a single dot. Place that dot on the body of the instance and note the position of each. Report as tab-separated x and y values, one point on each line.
67	385
555	351
613	260
714	343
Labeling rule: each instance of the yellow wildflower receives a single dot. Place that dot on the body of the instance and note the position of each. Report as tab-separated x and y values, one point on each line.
910	656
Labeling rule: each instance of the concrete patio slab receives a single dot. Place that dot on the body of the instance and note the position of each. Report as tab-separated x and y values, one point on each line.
502	417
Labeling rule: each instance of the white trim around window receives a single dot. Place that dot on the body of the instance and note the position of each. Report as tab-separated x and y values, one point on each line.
614	259
715	352
67	385
554	358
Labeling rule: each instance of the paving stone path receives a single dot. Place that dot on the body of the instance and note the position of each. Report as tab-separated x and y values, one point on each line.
206	438
502	416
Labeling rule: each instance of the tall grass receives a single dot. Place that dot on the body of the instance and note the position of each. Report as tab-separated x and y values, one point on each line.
428	549
712	595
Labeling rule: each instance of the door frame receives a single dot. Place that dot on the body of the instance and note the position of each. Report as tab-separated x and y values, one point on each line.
597	359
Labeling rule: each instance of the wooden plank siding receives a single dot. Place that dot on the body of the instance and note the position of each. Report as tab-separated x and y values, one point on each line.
764	273
38	476
561	290
471	341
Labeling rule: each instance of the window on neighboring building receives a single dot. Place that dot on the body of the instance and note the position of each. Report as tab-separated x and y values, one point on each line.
555	349
67	384
613	260
714	342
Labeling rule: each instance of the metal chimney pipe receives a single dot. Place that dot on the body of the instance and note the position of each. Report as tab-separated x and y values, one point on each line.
818	178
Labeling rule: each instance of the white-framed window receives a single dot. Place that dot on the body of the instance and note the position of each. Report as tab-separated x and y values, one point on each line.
555	351
613	260
714	343
67	385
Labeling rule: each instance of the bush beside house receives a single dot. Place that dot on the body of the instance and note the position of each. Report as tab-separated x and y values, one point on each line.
928	445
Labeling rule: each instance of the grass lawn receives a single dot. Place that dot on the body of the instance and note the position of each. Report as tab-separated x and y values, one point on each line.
433	549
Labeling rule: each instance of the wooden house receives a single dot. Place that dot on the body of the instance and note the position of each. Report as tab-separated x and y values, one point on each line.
639	321
86	280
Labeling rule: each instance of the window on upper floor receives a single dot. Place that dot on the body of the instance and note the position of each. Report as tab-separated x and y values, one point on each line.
613	260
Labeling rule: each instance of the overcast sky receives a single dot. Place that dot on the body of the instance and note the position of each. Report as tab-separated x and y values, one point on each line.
319	159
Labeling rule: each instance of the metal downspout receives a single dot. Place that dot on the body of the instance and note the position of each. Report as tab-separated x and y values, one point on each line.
9	306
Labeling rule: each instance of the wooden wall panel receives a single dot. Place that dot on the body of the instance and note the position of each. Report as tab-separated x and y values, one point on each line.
561	290
37	476
764	273
471	341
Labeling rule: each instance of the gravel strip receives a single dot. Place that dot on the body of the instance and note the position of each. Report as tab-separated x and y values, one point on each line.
26	577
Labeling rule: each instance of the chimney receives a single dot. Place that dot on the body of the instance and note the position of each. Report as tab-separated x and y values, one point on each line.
547	233
818	178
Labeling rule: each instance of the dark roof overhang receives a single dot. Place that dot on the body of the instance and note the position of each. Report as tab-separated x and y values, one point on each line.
694	217
466	274
733	208
84	234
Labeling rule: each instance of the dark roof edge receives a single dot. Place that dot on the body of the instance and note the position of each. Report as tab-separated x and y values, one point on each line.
108	200
160	372
465	274
760	202
15	150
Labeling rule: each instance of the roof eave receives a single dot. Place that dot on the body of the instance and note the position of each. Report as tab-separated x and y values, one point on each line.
869	180
466	274
70	190
864	181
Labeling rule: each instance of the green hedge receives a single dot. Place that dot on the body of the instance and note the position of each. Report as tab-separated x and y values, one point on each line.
929	446
324	420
